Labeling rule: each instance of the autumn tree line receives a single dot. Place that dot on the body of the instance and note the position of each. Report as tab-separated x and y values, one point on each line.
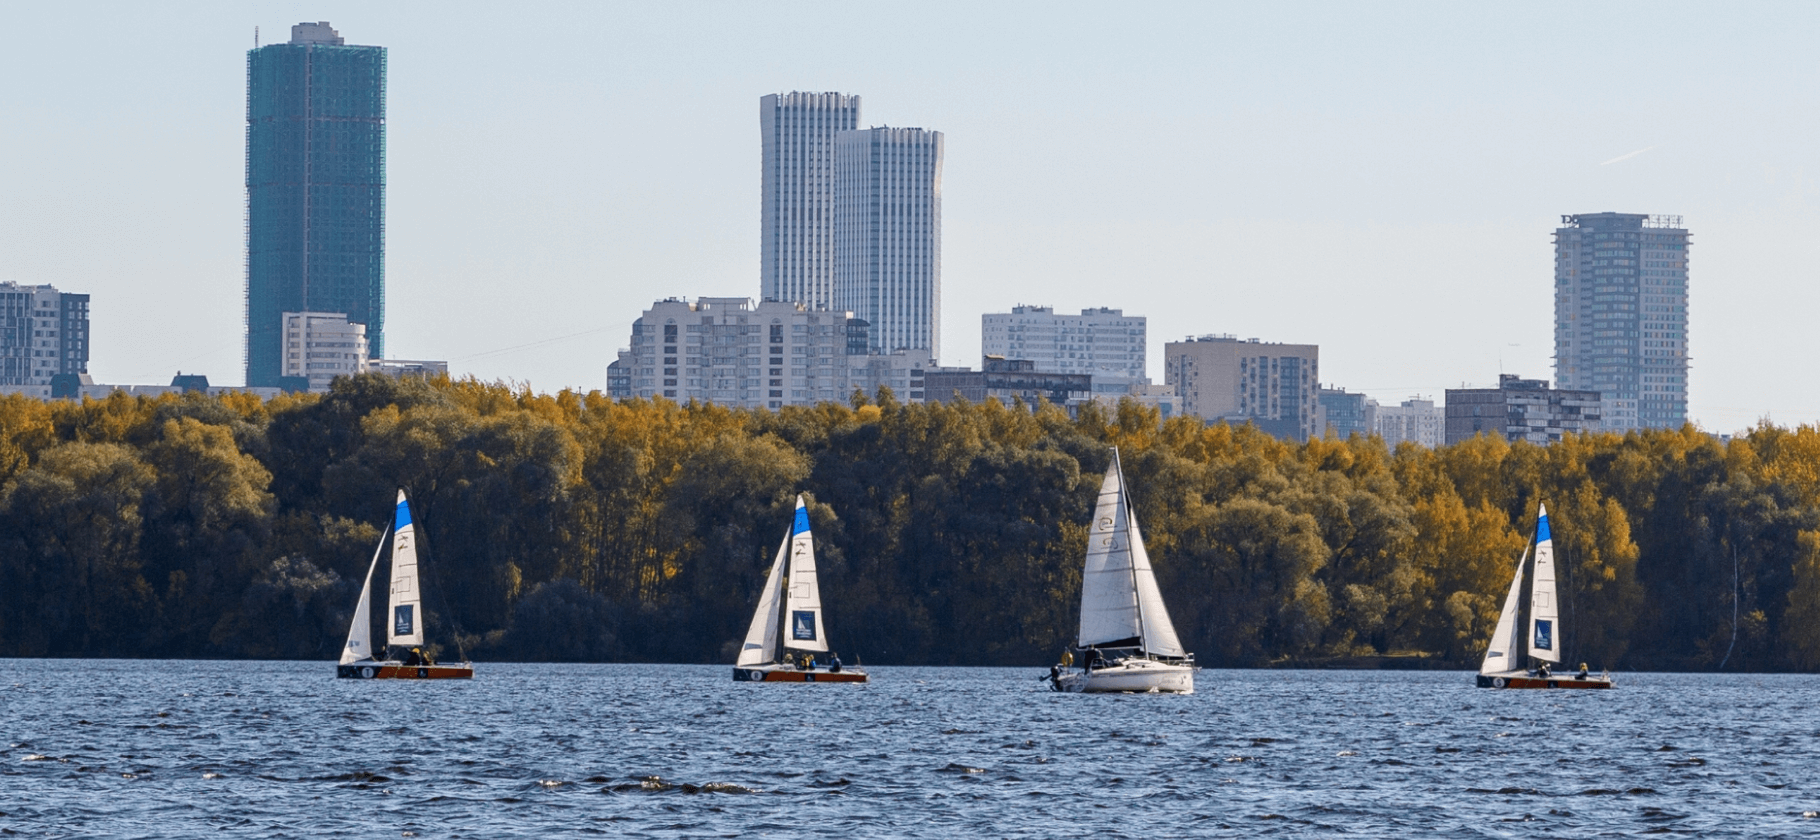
572	527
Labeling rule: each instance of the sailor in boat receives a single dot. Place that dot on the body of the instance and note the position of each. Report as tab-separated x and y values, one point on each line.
1584	672
833	662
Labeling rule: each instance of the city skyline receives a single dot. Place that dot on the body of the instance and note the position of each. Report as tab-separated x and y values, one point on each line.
1403	203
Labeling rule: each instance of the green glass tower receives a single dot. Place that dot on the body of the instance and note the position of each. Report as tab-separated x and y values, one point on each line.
315	191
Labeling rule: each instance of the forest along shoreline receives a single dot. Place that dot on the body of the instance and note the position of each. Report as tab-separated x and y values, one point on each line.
570	527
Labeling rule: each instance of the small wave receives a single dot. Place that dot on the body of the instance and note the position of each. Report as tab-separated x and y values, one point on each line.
717	787
213	776
647	784
551	784
960	768
36	757
832	784
366	776
1346	754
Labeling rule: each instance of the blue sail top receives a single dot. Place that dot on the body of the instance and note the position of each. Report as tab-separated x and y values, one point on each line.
1542	528
404	513
802	519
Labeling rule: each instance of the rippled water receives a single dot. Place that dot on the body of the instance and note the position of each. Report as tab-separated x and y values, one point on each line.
180	749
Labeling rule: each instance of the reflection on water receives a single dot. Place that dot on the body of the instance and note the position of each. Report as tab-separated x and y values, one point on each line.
184	748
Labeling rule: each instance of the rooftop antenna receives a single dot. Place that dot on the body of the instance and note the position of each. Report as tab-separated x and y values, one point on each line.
255	37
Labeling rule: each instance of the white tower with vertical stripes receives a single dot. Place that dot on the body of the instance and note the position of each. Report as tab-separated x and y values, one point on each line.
888	235
797	252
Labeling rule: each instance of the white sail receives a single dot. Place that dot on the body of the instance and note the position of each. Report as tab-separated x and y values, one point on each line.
1504	651
761	637
1544	614
360	630
1158	630
803	606
405	608
1109	604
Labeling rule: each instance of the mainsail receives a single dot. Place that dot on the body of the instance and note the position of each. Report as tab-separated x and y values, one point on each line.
761	637
1544	618
360	631
406	605
1504	651
1120	603
803	605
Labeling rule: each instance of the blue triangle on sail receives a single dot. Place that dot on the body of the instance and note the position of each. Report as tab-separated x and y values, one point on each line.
404	515
802	520
1542	529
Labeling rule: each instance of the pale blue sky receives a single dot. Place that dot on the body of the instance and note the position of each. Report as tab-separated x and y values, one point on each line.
1378	179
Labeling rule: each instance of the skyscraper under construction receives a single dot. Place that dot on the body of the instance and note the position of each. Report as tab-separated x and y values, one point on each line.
315	187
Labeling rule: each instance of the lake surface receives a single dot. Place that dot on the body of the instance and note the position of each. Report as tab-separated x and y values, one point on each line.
187	749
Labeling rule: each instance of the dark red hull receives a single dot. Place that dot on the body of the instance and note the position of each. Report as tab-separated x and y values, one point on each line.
396	671
775	674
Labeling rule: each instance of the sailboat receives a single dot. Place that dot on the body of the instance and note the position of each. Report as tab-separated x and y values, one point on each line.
791	599
1126	641
1504	659
405	608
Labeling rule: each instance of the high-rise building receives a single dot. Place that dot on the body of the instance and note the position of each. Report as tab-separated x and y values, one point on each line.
1521	410
1104	343
43	333
797	246
315	190
1414	420
888	234
1621	315
319	346
1220	378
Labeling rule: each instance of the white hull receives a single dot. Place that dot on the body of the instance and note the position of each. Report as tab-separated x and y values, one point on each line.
1132	675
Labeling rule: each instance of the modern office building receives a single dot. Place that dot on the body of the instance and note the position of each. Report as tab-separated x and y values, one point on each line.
1006	380
1344	415
315	190
1521	409
1220	378
1414	420
1621	315
319	346
43	334
764	354
888	234
797	220
1104	343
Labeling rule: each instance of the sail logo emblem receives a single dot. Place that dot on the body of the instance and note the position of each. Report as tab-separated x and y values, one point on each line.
802	625
403	623
1545	635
